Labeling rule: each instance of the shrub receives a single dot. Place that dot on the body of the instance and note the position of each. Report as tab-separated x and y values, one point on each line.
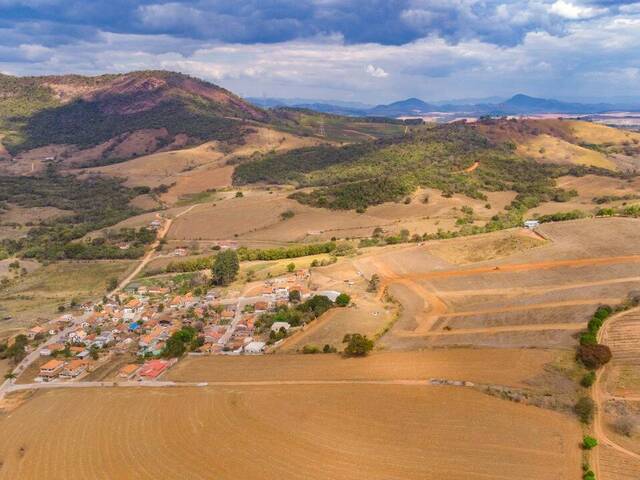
594	356
589	442
358	345
343	300
588	379
625	425
589	475
588	338
584	409
329	349
310	349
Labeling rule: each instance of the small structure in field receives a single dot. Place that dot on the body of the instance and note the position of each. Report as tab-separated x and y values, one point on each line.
531	224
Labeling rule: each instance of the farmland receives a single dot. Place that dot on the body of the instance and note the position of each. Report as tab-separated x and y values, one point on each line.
402	434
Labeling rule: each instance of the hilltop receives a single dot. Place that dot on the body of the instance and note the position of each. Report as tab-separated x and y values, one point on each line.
166	109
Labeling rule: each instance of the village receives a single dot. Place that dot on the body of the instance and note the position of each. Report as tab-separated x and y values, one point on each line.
139	323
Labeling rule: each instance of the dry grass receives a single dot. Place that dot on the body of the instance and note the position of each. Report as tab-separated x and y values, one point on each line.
293	432
39	293
552	149
590	132
486	247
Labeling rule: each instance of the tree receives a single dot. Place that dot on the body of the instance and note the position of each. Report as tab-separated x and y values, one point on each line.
589	442
343	300
584	408
358	345
594	356
112	284
225	267
239	194
291	267
10	376
588	379
374	283
294	296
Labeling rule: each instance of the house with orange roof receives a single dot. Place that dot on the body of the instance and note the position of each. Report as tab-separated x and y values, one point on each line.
51	369
128	370
74	368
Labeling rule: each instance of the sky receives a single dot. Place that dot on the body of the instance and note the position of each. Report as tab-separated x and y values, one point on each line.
370	51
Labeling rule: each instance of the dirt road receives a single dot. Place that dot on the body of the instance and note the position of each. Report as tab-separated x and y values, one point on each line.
150	254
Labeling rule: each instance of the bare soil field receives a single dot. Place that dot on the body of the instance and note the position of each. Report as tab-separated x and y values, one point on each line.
623	338
617	466
326	431
197	169
257	218
536	297
495	366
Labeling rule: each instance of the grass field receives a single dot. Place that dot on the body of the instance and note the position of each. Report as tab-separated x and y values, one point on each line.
293	432
39	293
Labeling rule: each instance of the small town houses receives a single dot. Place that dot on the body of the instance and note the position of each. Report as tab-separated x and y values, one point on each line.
143	322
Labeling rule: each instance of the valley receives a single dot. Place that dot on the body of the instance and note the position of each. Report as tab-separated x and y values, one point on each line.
308	294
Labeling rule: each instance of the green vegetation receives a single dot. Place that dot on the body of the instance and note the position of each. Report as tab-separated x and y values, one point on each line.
343	300
589	442
17	351
358	345
585	408
225	267
588	379
96	203
359	175
594	356
295	316
180	342
562	216
250	254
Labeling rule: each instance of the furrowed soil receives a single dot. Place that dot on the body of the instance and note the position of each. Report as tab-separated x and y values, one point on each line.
293	432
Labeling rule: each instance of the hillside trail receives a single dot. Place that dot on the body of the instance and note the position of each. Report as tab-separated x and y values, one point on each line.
152	250
600	396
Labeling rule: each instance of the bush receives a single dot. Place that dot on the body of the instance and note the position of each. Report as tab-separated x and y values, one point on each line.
343	300
329	349
358	345
588	379
588	338
584	409
589	475
625	425
589	442
593	356
310	349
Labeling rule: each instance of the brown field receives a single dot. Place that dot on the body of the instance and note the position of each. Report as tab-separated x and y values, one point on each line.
197	169
256	218
615	465
494	366
293	432
623	337
537	297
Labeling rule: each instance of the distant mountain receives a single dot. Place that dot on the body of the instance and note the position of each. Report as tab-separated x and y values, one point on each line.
410	106
519	104
167	107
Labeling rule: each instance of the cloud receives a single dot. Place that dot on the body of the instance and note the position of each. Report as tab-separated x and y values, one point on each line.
574	12
376	72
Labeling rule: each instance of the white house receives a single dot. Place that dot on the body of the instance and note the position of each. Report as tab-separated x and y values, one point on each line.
531	224
254	348
277	326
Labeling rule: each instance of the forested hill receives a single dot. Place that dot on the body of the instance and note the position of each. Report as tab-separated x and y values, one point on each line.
453	158
87	111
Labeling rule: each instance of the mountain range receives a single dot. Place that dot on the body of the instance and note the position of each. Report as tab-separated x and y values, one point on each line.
518	104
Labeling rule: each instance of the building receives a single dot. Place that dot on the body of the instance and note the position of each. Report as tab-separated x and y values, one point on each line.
74	368
128	371
51	369
531	224
277	326
254	348
153	369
